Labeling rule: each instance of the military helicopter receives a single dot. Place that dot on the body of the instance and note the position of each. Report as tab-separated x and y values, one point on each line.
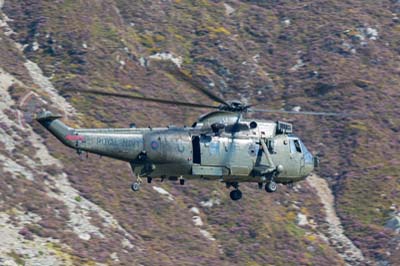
221	145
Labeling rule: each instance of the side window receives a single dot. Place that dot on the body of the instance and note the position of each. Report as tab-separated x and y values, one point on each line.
295	146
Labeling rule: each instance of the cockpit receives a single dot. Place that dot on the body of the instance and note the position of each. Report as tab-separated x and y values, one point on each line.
297	147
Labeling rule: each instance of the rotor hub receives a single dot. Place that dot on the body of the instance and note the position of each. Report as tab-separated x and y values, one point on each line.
234	106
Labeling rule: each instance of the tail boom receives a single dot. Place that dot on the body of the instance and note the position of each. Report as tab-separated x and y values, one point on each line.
123	144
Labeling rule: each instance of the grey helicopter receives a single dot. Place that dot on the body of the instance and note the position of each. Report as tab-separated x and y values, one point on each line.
221	145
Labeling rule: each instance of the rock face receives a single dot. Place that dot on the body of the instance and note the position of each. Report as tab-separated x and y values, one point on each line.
394	223
345	247
301	219
59	208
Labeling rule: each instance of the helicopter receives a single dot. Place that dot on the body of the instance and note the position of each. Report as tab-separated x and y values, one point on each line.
221	145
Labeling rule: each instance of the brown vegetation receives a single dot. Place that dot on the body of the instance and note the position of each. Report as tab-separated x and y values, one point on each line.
279	54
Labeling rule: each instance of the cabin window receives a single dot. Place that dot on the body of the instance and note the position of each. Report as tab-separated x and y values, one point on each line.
295	146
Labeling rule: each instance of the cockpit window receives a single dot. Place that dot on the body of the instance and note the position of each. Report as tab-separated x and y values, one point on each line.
295	146
307	155
303	147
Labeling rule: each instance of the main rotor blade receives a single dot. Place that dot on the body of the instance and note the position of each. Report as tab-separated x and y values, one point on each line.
302	112
130	96
176	72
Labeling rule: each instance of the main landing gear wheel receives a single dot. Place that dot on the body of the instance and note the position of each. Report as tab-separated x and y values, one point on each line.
135	186
236	194
271	186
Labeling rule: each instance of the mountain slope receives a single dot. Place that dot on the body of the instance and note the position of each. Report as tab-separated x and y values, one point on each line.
330	55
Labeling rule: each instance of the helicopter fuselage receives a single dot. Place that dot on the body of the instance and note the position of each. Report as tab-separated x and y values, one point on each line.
220	146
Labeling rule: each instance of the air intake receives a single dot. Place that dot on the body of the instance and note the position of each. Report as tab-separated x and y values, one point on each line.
283	128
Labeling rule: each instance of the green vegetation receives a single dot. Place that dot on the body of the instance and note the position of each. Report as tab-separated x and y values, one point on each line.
17	258
250	52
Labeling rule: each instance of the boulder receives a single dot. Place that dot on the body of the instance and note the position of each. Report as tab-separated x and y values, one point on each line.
394	224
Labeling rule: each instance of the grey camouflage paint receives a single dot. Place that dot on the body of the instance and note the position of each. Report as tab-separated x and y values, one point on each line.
229	155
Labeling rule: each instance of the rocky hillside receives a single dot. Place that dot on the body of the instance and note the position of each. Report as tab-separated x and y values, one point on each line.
59	208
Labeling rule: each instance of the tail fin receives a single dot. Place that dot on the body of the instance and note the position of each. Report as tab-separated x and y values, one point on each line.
46	116
52	123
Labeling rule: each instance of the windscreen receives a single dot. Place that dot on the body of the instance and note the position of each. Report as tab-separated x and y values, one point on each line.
308	158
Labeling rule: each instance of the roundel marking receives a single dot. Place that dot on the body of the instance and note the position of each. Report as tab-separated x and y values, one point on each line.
155	145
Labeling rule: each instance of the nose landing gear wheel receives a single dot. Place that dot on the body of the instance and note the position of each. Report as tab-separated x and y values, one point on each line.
135	186
236	194
271	187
